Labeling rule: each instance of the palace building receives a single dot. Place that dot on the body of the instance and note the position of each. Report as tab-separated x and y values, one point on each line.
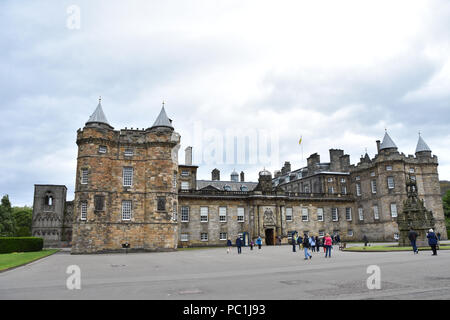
132	192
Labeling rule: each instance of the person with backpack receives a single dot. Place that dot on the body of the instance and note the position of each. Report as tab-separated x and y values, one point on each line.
312	243
327	242
259	242
432	241
306	246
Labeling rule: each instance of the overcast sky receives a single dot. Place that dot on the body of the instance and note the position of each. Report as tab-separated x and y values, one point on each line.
336	73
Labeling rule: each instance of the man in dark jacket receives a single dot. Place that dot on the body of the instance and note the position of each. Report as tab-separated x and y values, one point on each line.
299	242
239	245
412	236
366	240
432	241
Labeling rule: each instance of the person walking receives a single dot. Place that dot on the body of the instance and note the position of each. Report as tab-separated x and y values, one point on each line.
338	239
239	245
251	244
327	242
299	242
365	240
229	245
312	243
306	246
412	236
317	243
294	242
432	241
438	236
259	242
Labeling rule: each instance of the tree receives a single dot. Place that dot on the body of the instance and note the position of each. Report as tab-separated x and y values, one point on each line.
446	202
6	220
22	218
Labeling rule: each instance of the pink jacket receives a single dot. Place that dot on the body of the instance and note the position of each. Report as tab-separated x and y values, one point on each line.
328	241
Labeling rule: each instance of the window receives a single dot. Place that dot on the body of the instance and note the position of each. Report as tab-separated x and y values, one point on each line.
348	214
184	237
174	212
344	189
223	214
307	188
388	168
127	176
372	174
203	214
83	210
185	173
373	185
321	233
204	236
350	233
393	210
330	179
396	236
390	182
376	214
330	190
240	214
128	152
227	188
161	204
244	188
185	185
288	214
358	189
126	210
99	203
319	214
335	214
84	176
305	215
102	149
358	178
343	180
411	170
361	214
223	236
48	200
184	214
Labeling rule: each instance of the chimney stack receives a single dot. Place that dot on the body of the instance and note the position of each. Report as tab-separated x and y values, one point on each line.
215	175
242	176
188	156
378	146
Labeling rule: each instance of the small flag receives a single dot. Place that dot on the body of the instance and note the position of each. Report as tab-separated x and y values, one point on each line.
300	141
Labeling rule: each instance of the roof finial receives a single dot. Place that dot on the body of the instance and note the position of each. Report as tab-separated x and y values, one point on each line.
419	133
100	99
163	103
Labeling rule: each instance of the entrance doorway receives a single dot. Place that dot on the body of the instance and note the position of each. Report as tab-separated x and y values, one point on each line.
269	237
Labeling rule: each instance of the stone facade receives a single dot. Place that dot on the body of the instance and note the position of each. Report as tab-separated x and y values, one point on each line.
131	190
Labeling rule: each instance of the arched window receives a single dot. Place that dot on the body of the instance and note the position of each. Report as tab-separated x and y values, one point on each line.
244	188
48	200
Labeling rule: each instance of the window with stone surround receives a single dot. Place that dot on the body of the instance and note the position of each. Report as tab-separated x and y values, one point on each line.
331	190
223	236
335	214
358	189
240	214
174	212
184	185
393	210
388	168
348	214
376	213
83	206
184	237
223	214
102	149
174	180
184	214
344	190
204	236
127	176
99	201
361	214
128	152
185	173
161	203
84	176
390	182
203	214
305	214
289	214
350	233
126	210
320	214
373	185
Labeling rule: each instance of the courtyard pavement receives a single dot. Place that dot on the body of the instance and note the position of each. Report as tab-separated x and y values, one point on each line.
270	273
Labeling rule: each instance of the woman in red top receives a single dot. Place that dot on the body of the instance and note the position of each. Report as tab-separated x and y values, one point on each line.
327	242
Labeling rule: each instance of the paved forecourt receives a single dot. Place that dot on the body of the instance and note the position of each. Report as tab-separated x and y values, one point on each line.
270	273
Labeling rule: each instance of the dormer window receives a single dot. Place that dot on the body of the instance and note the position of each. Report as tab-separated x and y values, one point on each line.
244	188
102	149
227	188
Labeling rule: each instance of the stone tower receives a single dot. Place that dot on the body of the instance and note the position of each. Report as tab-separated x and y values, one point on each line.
126	188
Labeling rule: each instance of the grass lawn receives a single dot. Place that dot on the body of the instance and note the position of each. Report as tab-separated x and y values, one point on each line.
391	248
15	259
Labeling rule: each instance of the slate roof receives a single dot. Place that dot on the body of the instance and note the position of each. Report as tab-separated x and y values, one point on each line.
422	146
387	142
219	185
98	116
163	120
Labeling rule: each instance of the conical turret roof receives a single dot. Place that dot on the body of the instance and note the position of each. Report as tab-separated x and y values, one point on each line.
387	142
98	116
162	120
422	146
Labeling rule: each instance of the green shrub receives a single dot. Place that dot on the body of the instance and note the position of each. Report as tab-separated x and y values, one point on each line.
20	244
